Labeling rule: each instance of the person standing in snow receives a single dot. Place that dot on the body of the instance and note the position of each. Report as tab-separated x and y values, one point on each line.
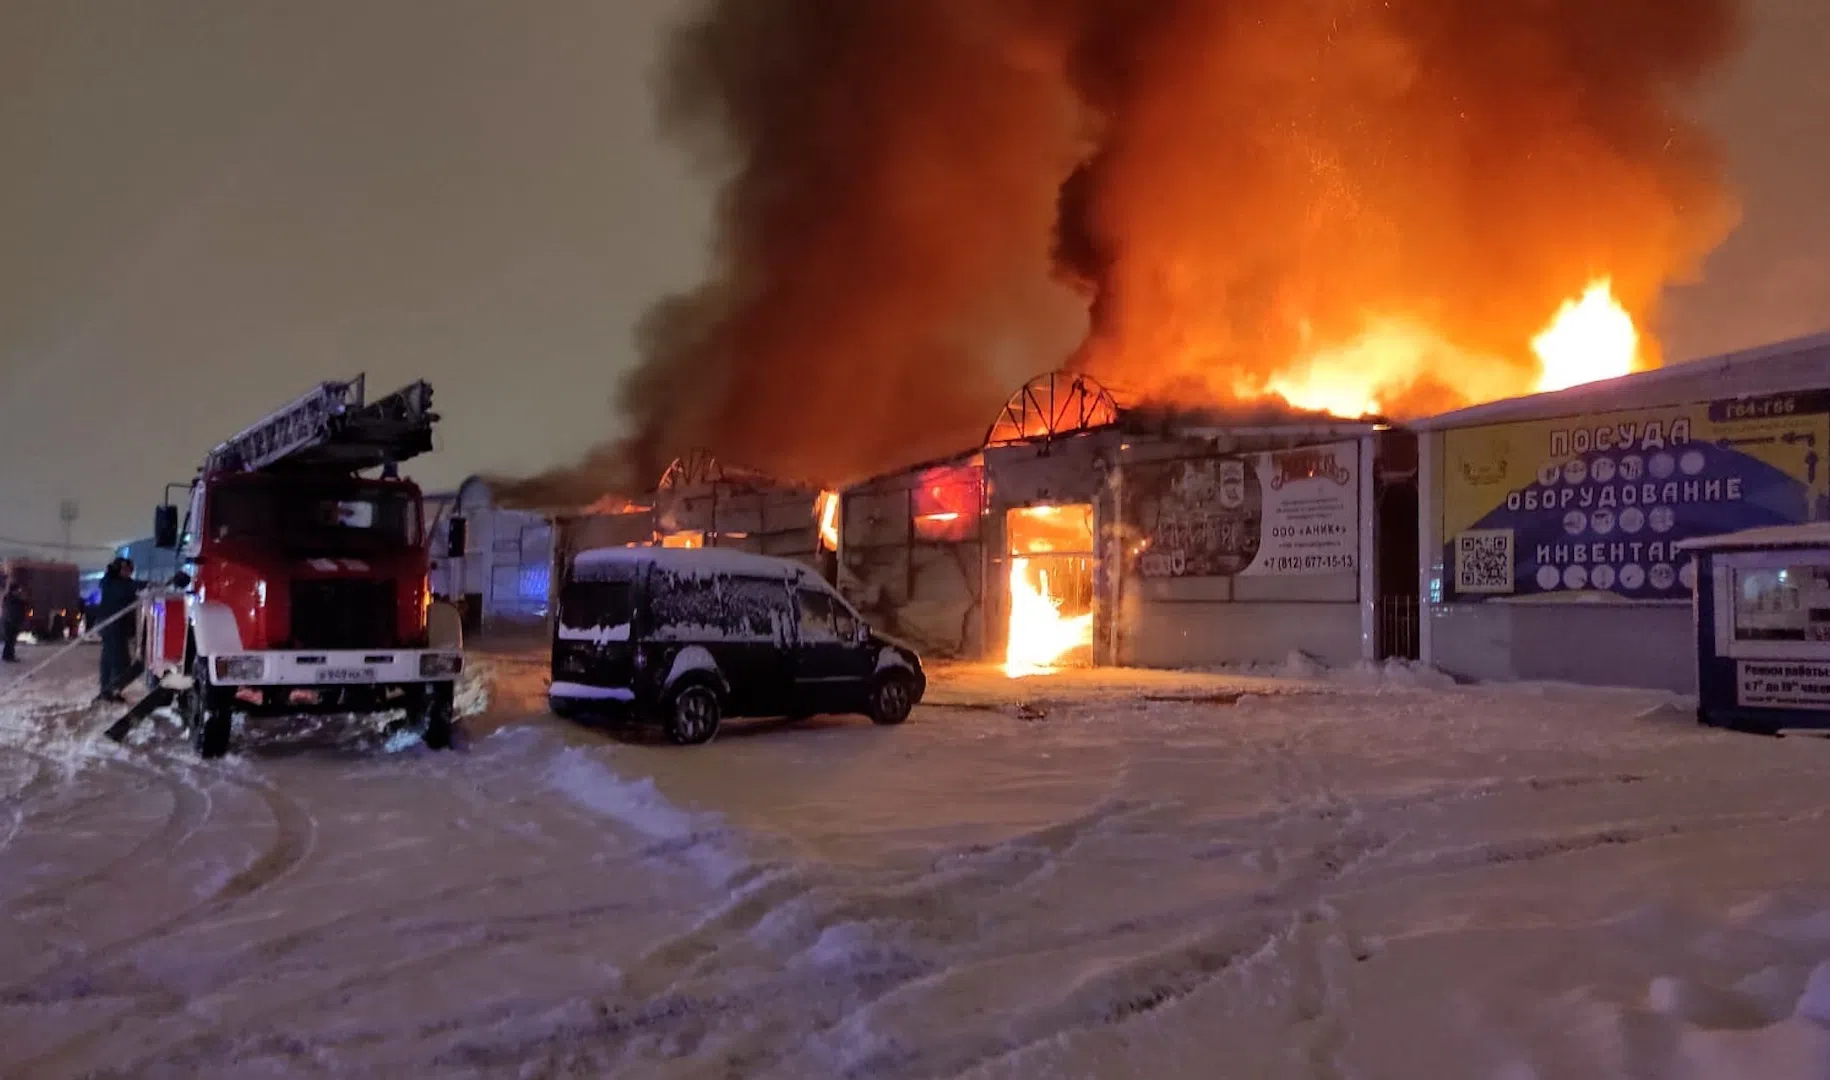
119	593
13	608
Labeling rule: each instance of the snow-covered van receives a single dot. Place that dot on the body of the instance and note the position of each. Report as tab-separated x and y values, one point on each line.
688	636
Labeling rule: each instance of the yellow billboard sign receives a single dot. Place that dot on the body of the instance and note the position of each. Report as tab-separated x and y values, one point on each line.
1593	504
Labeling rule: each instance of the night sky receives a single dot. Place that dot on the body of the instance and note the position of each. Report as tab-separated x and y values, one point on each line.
207	206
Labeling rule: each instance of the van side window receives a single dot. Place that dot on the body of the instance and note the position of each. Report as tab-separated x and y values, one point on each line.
724	606
843	622
817	622
681	604
760	607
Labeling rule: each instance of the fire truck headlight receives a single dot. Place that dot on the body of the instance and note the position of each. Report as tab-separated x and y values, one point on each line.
439	665
240	668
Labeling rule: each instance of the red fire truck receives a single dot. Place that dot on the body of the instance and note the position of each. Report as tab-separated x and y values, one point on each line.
303	586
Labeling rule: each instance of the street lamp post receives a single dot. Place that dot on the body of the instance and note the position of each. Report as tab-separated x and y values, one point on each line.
67	514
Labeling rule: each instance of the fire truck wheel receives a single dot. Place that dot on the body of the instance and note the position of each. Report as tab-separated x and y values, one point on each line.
435	722
209	717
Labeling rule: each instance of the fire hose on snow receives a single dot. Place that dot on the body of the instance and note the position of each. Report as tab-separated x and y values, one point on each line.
160	695
89	634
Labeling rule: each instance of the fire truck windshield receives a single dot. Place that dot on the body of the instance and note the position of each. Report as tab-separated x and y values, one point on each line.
314	519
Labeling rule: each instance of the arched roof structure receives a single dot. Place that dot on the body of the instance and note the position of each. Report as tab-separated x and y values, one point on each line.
1048	406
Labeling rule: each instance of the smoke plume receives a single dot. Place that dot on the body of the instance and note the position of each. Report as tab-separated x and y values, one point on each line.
930	200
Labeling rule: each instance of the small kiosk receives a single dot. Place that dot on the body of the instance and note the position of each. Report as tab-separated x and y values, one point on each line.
1763	627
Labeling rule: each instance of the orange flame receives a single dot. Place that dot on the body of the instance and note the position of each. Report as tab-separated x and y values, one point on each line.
1590	338
826	509
1039	634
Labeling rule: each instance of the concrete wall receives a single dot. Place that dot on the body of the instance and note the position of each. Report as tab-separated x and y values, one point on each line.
1194	634
925	590
1644	645
1068	470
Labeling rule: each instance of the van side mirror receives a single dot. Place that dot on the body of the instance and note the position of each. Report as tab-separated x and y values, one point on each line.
457	533
165	528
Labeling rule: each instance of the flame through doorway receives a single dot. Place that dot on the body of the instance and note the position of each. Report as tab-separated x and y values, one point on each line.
1051	588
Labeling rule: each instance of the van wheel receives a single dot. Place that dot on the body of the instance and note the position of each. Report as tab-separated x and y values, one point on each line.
209	718
693	717
892	698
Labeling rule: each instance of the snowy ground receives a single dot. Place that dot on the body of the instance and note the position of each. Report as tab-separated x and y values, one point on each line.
1371	875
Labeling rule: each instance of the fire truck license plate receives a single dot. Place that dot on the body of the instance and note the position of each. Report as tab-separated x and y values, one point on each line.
346	675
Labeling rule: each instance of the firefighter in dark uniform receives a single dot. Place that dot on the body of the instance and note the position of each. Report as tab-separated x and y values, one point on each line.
13	610
119	593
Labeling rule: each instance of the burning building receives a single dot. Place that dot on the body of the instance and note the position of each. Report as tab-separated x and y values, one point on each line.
1351	209
1081	532
1549	522
702	502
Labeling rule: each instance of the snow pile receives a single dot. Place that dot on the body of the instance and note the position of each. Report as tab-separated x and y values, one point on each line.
699	839
474	688
596	635
1722	1035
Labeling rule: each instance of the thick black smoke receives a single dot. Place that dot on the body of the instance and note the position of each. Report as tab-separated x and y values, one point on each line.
926	199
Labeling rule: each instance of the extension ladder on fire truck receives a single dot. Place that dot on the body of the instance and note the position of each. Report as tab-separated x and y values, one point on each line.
331	426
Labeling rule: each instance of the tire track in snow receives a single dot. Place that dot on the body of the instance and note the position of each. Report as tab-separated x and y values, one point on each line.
190	807
16	801
446	940
681	991
108	970
206	1051
1536	848
960	878
1301	934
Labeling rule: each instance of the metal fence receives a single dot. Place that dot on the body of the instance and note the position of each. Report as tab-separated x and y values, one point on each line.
1398	637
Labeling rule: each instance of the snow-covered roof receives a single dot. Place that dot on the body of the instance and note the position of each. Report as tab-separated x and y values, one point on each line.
1810	534
694	561
1799	364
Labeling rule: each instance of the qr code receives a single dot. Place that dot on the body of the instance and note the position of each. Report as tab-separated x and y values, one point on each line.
1483	561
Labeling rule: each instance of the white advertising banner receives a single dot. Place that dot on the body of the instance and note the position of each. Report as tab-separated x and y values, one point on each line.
1311	511
1282	514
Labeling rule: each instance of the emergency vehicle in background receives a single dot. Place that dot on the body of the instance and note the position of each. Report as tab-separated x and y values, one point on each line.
303	586
53	594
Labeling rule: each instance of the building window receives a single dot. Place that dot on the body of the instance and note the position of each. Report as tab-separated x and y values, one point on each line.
1789	603
946	509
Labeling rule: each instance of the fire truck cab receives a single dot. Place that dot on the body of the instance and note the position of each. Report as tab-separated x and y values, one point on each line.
304	585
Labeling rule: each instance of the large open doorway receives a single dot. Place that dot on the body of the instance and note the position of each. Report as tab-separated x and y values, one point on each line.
1051	588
